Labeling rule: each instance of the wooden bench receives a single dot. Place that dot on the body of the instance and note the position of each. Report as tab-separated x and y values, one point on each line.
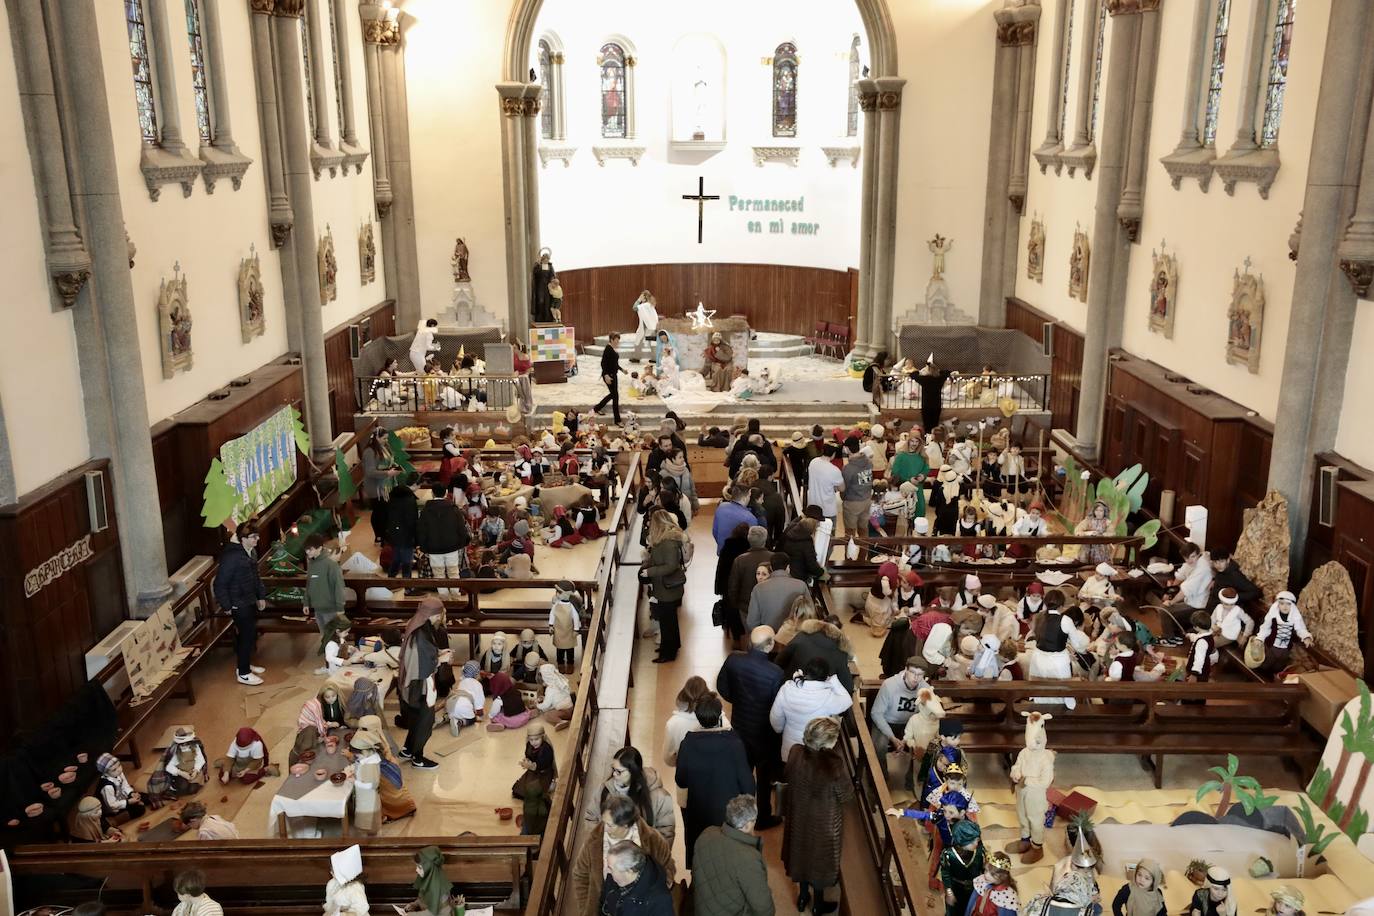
1147	720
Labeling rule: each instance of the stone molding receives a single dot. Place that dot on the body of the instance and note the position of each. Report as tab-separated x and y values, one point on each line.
69	284
620	151
353	156
1360	273
512	107
834	154
161	167
1128	7
889	100
1050	154
1080	157
529	107
556	153
868	101
1190	163
262	7
223	162
1259	166
290	9
789	155
324	157
381	31
1016	34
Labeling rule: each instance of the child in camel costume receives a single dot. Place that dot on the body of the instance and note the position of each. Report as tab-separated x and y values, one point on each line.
1033	772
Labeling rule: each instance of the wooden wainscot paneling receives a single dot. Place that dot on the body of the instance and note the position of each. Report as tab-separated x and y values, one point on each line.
1066	358
61	592
1348	538
379	321
773	297
1209	450
194	439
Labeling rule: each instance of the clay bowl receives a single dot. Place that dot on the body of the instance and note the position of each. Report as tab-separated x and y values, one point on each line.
82	757
307	756
67	778
338	779
54	792
299	769
505	814
321	774
34	810
146	825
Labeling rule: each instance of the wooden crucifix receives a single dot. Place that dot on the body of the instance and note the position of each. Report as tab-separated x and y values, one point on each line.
700	197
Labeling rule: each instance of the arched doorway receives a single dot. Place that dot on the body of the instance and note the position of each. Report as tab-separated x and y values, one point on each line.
880	96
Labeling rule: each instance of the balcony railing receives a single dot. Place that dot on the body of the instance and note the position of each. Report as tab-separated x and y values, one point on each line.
991	392
408	394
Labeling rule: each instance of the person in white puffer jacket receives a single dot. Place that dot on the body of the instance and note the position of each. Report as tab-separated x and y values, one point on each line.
815	693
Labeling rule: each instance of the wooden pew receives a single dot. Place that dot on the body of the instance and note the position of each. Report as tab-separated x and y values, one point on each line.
1147	720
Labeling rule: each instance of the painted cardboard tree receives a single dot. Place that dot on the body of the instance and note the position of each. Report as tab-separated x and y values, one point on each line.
1341	785
1121	494
220	497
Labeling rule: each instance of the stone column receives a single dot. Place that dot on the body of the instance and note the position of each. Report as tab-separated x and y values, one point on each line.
885	215
529	111
1246	138
105	316
1190	138
319	77
302	246
219	88
513	174
349	128
1132	207
1356	250
402	220
1022	37
375	34
1110	248
69	264
863	312
560	127
1053	142
279	215
1086	50
168	117
992	303
1317	351
630	63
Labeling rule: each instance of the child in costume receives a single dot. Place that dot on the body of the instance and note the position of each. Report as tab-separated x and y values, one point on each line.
565	620
960	864
1032	774
1215	898
994	891
940	753
1144	894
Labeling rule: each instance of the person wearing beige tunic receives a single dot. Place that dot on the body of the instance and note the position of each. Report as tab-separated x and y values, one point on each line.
1032	773
367	777
719	368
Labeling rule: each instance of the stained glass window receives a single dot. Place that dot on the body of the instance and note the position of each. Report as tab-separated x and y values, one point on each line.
198	79
143	70
1278	72
1097	66
1220	29
546	80
338	65
309	76
1064	75
853	130
613	98
785	90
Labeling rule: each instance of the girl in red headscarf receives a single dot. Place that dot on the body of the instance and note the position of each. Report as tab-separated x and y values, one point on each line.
246	758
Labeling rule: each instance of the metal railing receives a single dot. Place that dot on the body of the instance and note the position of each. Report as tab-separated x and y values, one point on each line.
1027	392
404	393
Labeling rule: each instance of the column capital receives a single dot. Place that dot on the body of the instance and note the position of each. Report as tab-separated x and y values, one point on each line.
290	9
889	92
262	7
1360	273
1015	34
1128	7
380	25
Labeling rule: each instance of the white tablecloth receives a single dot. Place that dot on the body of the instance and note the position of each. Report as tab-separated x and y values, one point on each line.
321	799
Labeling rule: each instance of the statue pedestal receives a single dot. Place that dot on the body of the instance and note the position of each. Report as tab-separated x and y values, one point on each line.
936	309
464	312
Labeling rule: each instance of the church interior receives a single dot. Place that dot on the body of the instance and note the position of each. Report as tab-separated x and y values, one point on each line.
532	456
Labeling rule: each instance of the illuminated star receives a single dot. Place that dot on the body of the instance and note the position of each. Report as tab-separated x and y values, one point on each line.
701	318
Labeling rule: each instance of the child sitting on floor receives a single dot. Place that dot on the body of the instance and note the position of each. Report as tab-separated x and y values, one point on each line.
742	388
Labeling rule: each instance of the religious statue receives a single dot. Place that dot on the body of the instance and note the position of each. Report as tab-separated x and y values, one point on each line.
1163	291
720	364
939	246
367	254
251	313
1035	251
541	299
699	90
329	268
174	323
460	262
1079	258
1245	319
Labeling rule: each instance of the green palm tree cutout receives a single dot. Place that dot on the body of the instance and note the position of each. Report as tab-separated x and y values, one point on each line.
1245	788
1353	737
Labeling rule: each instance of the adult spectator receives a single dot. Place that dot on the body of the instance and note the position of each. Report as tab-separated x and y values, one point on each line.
773	510
189	886
798	453
610	376
238	589
715	437
817	791
662	451
713	766
749	682
799	543
733	510
637	886
402	528
823	482
823	640
772	598
813	693
665	568
416	679
895	703
641	785
734	547
730	878
443	534
620	823
744	574
858	488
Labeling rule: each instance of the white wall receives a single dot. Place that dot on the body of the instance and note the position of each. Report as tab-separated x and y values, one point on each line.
1355	438
1211	234
209	234
40	384
621	214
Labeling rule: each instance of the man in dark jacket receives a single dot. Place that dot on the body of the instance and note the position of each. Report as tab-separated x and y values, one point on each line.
713	767
636	885
1227	574
443	535
402	523
610	375
799	543
239	590
749	682
818	639
730	878
773	508
744	571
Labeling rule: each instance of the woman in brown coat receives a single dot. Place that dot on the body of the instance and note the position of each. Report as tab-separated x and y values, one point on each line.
620	821
817	790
